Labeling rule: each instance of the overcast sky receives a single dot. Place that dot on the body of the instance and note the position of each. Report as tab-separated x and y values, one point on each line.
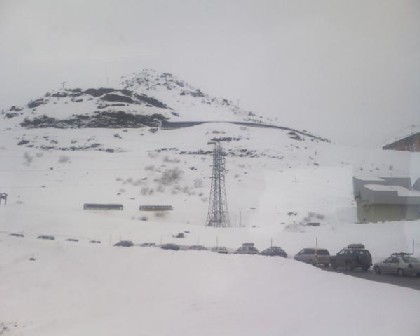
347	70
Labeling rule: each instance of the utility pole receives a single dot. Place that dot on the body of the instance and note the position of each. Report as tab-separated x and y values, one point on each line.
217	215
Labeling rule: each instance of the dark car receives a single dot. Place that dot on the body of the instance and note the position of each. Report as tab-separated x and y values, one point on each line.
274	251
20	235
247	248
124	243
197	248
170	246
147	245
351	257
46	237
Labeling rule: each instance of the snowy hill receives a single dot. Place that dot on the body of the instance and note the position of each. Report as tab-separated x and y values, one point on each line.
57	155
146	99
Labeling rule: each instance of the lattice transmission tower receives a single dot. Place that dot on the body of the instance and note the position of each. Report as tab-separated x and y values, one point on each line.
218	210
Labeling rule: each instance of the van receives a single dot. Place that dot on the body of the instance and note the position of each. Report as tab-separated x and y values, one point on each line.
314	256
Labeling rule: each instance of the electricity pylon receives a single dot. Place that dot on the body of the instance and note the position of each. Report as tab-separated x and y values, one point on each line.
218	210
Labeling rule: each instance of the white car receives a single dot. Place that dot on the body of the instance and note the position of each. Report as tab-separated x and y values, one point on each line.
400	264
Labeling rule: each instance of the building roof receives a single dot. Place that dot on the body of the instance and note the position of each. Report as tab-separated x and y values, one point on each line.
359	182
404	134
401	191
387	179
369	178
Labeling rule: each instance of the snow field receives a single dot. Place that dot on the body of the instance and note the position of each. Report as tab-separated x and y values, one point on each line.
83	289
47	195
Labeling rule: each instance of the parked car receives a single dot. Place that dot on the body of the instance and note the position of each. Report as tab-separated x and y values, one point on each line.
351	257
148	245
220	249
170	246
197	248
399	263
314	256
247	248
274	251
124	243
46	237
20	235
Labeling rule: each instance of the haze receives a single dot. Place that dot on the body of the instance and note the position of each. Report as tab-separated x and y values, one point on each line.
347	70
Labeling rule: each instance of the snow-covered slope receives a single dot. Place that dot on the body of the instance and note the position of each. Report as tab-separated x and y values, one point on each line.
276	183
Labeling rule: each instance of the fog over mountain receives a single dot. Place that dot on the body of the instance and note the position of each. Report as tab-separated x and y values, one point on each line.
346	70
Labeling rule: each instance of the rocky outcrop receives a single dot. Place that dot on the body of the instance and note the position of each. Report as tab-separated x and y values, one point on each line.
99	119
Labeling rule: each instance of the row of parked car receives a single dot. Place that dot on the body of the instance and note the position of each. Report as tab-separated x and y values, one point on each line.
353	256
349	258
357	256
246	248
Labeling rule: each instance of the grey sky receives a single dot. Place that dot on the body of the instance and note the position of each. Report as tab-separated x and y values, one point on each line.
348	70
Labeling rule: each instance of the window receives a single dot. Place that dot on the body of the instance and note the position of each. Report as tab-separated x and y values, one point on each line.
323	252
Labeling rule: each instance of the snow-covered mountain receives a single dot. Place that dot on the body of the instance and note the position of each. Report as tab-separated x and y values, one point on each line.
104	145
145	99
148	93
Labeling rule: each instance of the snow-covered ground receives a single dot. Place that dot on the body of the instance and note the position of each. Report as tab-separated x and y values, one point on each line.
265	182
275	185
85	289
